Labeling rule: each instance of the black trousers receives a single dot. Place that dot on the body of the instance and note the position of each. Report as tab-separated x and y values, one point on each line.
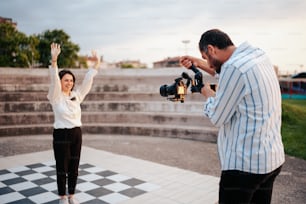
240	187
67	151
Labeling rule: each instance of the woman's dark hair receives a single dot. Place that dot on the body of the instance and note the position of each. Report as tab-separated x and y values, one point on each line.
64	72
215	38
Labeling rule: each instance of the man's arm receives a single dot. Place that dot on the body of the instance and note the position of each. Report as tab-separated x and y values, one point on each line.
231	91
187	61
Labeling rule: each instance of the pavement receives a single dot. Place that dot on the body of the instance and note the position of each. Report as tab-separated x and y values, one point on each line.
172	171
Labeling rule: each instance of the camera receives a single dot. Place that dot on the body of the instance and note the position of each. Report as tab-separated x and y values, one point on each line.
179	87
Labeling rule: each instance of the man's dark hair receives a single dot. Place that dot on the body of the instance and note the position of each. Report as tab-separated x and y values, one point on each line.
215	38
65	71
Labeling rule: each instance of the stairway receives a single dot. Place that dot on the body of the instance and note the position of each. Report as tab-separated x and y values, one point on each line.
121	102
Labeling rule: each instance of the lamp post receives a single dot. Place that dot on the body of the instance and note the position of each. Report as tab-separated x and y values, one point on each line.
185	43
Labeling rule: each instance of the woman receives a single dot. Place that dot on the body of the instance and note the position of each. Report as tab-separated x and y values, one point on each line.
67	134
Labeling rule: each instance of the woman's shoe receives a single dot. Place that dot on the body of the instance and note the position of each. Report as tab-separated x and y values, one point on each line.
63	201
73	201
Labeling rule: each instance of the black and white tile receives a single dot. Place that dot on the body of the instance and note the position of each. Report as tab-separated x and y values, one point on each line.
36	183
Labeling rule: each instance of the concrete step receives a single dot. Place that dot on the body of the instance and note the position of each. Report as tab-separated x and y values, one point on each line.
160	118
125	102
206	134
93	96
102	106
95	88
129	88
144	80
105	76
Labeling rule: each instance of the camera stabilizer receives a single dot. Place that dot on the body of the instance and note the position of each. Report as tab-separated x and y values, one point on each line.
179	88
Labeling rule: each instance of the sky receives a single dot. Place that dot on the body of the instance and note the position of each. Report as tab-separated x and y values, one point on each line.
152	30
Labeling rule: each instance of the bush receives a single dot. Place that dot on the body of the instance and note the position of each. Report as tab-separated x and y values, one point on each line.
293	127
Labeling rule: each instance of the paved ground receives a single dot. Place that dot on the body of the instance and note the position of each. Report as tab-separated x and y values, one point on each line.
104	178
190	155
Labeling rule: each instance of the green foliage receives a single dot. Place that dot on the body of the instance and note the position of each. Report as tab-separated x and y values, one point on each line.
82	62
127	66
16	49
69	50
130	66
293	127
19	50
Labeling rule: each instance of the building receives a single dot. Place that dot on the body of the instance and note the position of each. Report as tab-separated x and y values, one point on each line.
168	62
8	20
130	64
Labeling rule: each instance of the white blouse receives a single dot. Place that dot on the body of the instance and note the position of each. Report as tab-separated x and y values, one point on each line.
67	109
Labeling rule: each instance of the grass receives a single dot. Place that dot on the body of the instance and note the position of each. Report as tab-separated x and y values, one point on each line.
294	127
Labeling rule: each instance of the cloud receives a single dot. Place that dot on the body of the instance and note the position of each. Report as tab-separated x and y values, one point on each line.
154	29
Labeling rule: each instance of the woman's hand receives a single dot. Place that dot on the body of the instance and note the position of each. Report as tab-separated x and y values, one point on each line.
95	59
55	51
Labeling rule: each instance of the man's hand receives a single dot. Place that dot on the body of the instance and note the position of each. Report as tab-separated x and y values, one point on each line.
55	51
187	61
207	91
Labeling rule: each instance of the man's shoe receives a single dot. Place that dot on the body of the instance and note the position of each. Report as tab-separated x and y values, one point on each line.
73	201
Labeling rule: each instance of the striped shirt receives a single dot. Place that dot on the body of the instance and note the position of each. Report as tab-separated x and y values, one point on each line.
247	109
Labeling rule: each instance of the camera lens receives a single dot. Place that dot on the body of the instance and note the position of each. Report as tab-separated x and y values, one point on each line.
163	90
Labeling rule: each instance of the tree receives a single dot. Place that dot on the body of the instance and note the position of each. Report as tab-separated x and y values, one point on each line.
19	50
82	62
126	66
16	49
34	54
69	50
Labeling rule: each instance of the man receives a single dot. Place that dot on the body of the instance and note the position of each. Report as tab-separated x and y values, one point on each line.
247	109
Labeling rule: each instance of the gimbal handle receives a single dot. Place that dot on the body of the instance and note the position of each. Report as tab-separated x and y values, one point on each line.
194	69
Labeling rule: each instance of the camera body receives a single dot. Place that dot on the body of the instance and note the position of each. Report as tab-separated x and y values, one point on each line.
179	87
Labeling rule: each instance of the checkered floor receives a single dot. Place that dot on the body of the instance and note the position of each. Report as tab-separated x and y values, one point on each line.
36	183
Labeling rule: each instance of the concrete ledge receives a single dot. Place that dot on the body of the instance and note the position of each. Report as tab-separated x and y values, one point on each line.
160	118
36	96
94	106
121	102
206	134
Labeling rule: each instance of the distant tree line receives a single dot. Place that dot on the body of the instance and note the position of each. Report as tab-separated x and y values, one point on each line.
20	50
